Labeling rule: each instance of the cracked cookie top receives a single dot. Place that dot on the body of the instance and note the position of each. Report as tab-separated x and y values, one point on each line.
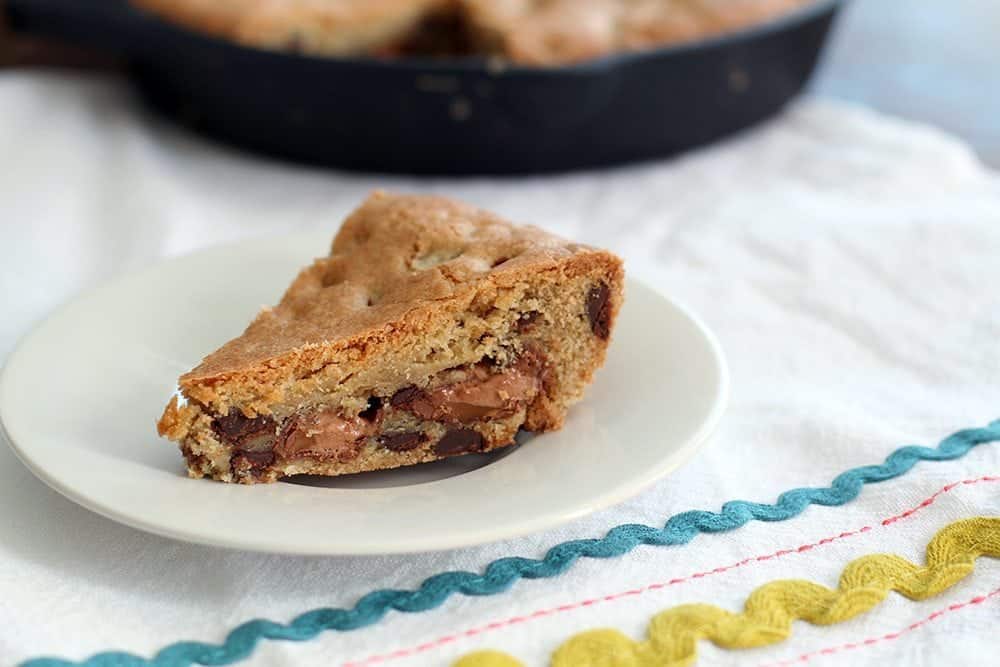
396	258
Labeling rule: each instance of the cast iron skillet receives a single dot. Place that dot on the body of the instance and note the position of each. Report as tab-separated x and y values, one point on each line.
458	116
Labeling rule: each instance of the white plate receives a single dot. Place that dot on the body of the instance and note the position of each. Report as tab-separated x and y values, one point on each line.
80	397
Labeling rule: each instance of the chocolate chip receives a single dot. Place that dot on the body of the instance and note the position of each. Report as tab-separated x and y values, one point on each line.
402	441
244	464
487	363
599	310
459	441
257	459
370	413
196	461
526	322
237	429
405	396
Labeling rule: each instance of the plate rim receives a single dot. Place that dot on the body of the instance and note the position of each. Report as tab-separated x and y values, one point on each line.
683	452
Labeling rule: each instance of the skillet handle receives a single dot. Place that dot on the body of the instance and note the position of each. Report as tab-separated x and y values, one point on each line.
106	25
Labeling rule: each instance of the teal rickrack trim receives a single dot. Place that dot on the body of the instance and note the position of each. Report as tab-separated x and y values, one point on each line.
501	574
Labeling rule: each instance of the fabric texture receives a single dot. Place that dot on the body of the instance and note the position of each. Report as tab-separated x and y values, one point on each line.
846	260
770	610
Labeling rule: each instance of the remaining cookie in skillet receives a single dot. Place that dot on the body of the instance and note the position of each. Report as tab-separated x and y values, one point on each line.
336	27
564	31
329	27
531	32
432	329
551	32
217	17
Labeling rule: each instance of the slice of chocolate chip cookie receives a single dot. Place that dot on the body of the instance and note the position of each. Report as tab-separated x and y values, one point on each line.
432	329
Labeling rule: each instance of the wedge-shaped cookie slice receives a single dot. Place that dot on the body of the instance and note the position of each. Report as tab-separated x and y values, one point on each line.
432	329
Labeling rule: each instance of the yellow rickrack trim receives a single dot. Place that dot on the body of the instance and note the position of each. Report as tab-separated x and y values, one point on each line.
769	611
488	659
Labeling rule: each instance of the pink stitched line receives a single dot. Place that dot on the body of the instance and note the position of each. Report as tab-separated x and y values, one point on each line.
541	613
806	657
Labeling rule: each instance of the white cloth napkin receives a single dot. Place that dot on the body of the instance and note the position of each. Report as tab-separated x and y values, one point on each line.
849	262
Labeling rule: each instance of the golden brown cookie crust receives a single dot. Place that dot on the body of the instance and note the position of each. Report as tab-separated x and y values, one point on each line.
396	264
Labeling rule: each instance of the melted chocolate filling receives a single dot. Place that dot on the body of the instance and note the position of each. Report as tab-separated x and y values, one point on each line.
477	393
